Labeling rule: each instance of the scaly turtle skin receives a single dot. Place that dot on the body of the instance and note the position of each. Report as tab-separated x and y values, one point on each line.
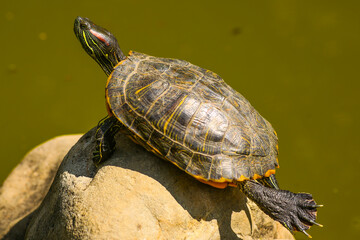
189	116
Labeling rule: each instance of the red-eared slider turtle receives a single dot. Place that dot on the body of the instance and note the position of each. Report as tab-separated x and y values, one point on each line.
189	116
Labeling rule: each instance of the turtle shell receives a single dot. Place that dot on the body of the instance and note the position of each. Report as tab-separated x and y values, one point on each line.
189	116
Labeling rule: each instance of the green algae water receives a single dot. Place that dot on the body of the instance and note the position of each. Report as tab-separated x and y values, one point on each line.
295	61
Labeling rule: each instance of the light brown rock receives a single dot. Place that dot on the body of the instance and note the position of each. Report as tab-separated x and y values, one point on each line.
27	185
136	195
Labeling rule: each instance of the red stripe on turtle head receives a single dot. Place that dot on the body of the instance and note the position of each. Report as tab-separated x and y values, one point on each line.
100	36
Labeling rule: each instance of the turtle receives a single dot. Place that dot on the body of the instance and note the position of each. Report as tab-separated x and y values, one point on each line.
190	117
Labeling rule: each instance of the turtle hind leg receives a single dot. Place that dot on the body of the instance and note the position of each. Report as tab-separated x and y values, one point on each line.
295	211
105	141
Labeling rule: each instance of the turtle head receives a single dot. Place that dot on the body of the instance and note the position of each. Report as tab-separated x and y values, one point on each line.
99	43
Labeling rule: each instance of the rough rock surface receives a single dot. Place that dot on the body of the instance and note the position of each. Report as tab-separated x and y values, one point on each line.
27	185
136	195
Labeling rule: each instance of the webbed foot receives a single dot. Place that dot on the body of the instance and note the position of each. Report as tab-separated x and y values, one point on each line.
298	212
295	211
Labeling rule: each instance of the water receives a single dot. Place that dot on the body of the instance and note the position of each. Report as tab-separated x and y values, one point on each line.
296	61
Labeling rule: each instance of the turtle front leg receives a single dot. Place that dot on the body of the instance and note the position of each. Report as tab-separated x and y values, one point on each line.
295	211
105	141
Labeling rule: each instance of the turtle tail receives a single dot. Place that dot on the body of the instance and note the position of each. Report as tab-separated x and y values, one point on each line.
295	211
269	181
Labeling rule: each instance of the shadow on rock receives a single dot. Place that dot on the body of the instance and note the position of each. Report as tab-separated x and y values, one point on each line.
199	200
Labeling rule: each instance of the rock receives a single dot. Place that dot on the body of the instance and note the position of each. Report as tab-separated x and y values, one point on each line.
135	195
27	185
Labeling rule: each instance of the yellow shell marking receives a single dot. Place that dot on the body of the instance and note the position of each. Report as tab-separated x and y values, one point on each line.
172	115
139	90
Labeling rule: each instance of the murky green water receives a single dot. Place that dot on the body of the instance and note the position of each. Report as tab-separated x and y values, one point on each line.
296	61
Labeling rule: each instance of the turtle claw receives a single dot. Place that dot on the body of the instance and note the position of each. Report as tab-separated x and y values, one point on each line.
315	223
319	206
304	232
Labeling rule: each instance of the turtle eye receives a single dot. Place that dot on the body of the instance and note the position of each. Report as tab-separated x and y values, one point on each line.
84	25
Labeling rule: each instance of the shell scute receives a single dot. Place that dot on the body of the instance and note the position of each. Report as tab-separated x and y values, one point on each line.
199	166
179	155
